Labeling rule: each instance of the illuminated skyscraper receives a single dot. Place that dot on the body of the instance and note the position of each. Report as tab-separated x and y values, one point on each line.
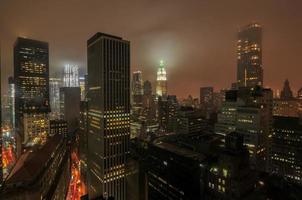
108	115
249	56
71	76
54	86
161	80
31	73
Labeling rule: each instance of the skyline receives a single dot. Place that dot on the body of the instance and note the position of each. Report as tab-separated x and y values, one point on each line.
170	33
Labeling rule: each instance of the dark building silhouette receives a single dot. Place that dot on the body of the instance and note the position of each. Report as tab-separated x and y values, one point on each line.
286	92
108	115
249	56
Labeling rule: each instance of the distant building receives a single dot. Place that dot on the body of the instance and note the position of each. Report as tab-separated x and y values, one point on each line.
249	56
286	107
167	111
207	100
71	76
31	74
286	92
54	85
161	80
12	95
189	120
108	115
70	98
82	85
285	158
137	88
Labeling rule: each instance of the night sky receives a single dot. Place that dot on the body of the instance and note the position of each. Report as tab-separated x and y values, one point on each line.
196	38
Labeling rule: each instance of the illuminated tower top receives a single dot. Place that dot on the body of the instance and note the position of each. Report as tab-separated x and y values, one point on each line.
161	86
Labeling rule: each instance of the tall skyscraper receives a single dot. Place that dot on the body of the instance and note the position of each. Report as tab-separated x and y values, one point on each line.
108	115
206	100
249	56
71	76
31	73
54	86
137	89
161	80
11	94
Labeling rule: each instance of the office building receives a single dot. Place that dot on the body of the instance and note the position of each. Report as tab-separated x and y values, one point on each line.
285	158
206	101
137	89
189	120
108	115
254	122
70	98
11	95
227	114
161	80
31	74
71	76
54	94
249	56
82	85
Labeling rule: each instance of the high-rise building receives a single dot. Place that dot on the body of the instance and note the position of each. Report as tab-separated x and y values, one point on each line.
82	85
70	98
206	100
285	158
161	80
137	88
147	88
71	76
108	115
54	90
11	94
31	73
249	56
286	92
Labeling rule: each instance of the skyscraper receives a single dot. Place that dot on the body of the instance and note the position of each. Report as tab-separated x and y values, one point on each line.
249	56
137	88
206	100
31	73
286	92
108	115
71	76
161	80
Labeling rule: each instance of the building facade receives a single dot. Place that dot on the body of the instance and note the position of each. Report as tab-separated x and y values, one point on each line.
31	74
161	80
249	56
108	115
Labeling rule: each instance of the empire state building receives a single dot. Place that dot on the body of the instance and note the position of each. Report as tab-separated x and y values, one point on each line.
161	85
